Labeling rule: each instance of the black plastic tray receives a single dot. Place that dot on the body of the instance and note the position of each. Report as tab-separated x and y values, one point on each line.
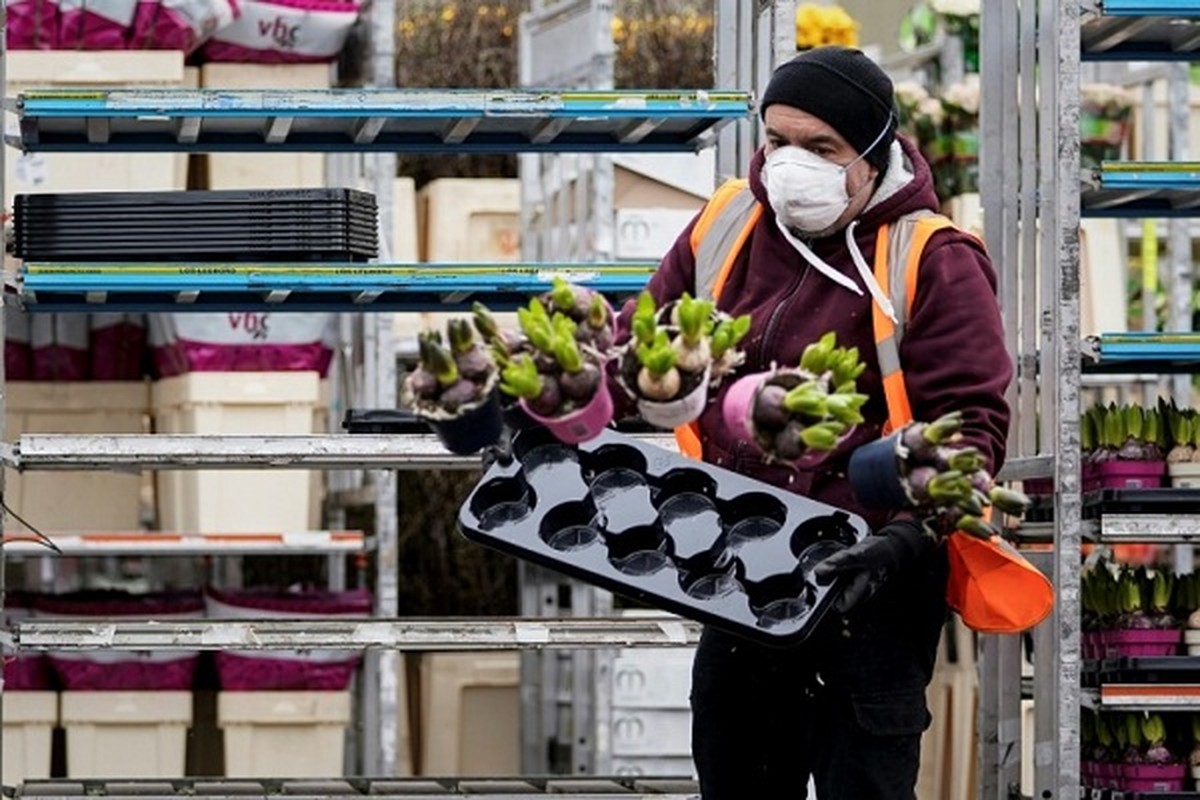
197	197
264	235
1119	794
383	420
155	218
282	254
1159	669
681	535
1173	500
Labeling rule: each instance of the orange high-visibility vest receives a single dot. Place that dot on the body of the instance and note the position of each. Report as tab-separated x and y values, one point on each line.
991	586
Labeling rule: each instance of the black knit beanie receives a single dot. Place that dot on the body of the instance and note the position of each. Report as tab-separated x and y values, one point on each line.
846	90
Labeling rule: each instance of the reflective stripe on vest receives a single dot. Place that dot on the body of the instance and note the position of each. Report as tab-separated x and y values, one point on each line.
898	252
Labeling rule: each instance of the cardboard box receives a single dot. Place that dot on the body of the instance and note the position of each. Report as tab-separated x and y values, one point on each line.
247	501
29	718
40	173
265	170
470	714
470	219
126	734
293	734
98	501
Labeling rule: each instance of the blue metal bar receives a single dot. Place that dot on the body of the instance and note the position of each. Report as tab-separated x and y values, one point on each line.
298	287
419	121
1151	8
1146	175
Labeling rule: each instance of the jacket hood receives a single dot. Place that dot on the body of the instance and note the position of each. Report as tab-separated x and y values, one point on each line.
906	187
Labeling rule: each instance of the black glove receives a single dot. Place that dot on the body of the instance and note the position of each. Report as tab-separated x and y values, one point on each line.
869	564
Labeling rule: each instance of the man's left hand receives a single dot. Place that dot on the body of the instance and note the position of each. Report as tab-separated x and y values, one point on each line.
868	565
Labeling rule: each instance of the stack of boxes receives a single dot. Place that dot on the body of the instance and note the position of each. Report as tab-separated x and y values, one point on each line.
651	717
144	733
148	730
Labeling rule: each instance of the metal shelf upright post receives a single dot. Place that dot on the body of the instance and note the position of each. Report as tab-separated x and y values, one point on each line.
1052	40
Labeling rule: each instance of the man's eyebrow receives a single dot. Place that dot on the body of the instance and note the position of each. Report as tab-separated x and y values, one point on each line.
815	139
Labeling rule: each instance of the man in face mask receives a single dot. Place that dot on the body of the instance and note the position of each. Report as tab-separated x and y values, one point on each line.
848	706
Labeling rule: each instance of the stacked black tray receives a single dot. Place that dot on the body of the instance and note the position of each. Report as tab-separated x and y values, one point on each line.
260	225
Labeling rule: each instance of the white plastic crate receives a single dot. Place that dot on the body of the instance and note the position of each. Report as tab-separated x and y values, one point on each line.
126	734
470	714
29	718
652	678
246	501
99	501
27	173
651	732
654	766
470	219
292	734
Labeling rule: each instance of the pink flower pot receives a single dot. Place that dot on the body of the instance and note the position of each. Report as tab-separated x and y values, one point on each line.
1127	474
582	424
1155	642
1154	777
739	400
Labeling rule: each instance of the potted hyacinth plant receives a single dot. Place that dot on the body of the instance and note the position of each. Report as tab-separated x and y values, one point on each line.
453	388
925	467
676	355
1145	626
799	414
1149	764
1122	447
558	379
1183	459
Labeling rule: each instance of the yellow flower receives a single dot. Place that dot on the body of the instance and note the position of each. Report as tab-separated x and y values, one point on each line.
618	29
820	25
507	30
482	11
449	12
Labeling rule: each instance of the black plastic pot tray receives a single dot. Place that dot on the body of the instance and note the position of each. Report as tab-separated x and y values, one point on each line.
1173	500
284	254
233	218
257	197
1118	794
318	235
1159	669
681	535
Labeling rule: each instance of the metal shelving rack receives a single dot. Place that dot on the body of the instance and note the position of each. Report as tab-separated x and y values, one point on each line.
367	124
1053	39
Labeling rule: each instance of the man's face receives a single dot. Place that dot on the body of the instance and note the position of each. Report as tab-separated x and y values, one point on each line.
786	125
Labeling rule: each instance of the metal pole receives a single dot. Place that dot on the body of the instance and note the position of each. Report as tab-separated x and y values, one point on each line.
1060	44
381	694
3	376
999	722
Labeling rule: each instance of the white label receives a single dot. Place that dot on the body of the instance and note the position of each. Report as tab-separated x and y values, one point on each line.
247	327
31	169
648	233
281	29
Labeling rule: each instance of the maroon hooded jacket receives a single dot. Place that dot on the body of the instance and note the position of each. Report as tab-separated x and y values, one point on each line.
953	351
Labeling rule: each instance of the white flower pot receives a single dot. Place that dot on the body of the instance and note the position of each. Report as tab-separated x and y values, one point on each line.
1185	475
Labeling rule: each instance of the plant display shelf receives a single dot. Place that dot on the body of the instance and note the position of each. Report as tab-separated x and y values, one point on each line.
581	788
1159	189
382	120
209	287
147	544
1141	30
441	634
1129	353
50	451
